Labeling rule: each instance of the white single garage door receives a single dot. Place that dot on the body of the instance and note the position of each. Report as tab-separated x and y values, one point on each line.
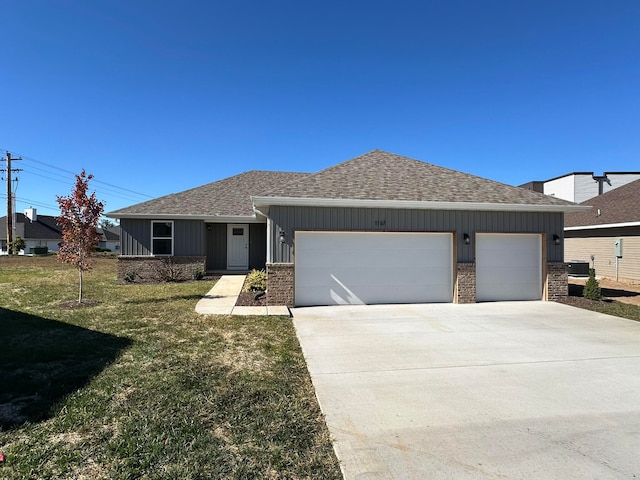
508	267
340	268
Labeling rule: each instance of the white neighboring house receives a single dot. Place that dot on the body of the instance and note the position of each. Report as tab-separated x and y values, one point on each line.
36	231
579	187
44	231
110	238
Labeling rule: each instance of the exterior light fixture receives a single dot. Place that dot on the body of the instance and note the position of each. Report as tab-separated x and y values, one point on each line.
556	239
281	237
467	239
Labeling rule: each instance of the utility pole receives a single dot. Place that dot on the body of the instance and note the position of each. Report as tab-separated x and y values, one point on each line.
9	171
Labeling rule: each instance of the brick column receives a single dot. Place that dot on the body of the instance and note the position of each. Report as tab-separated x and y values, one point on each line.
466	283
280	284
557	280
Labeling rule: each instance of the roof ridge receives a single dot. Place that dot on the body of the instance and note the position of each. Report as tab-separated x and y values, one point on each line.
387	157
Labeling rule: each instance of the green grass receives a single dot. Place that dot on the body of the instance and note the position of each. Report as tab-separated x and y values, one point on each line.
618	309
607	306
140	386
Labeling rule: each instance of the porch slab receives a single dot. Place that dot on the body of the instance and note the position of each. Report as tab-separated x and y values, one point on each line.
249	311
278	310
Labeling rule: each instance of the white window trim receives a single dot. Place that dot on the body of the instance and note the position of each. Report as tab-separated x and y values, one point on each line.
162	238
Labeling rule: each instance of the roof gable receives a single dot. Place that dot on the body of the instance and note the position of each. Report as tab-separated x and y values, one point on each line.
228	197
619	205
384	176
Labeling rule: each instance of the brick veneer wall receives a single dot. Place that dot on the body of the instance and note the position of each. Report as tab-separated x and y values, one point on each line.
557	280
466	287
147	269
280	284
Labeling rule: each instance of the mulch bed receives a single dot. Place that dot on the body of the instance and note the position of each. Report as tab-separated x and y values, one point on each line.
576	299
75	304
248	299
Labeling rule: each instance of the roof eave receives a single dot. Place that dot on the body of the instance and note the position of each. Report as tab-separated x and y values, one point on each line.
173	216
261	203
606	225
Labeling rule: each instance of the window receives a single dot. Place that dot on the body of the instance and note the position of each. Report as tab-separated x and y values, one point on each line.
162	238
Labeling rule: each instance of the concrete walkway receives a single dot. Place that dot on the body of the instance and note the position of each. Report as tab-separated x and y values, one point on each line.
221	300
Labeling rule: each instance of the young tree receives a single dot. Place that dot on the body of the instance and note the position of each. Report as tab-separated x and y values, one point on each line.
106	223
79	216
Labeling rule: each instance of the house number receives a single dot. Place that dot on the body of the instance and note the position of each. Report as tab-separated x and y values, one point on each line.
380	223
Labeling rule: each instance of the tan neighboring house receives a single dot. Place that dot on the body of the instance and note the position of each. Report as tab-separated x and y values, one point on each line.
608	235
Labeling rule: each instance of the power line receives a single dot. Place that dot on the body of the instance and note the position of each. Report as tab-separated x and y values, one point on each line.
98	191
59	169
32	202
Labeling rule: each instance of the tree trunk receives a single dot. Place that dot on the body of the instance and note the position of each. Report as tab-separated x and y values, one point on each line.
80	292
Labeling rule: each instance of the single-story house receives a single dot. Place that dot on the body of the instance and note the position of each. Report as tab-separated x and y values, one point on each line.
36	231
43	231
109	238
608	235
379	228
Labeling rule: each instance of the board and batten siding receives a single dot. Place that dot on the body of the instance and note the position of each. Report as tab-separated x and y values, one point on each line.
188	237
288	219
135	237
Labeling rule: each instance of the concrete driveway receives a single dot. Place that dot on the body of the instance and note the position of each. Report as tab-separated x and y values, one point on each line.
497	390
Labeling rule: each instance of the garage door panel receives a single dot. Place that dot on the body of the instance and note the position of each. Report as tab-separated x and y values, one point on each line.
389	278
509	257
372	267
508	267
501	275
379	258
337	294
514	292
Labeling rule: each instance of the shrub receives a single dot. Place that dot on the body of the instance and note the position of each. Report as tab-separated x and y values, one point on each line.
197	273
592	289
18	244
130	276
167	270
256	281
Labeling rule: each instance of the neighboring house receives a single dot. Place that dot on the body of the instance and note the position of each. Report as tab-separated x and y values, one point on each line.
380	228
579	187
44	231
109	238
590	235
36	230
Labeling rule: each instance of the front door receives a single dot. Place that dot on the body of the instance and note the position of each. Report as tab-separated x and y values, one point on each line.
237	247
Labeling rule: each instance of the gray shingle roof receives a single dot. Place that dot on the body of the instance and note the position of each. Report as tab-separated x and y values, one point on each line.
228	197
380	175
620	205
376	175
44	228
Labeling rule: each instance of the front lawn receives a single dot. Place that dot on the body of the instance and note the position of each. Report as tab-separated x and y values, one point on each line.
140	386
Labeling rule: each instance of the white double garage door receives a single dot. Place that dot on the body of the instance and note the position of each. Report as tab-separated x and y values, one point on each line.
339	268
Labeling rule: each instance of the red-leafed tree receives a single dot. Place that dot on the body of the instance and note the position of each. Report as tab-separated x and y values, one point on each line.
79	216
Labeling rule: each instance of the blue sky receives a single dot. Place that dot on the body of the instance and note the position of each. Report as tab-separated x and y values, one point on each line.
154	97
